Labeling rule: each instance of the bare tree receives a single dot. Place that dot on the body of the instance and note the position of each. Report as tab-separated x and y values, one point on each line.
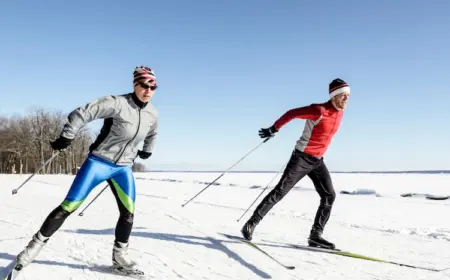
138	167
25	143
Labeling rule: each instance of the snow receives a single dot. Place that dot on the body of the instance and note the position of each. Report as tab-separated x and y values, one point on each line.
174	242
427	196
361	192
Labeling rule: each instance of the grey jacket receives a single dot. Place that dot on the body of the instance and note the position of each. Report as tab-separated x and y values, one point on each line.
127	122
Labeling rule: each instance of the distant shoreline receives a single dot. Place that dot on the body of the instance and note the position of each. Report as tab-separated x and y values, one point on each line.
340	172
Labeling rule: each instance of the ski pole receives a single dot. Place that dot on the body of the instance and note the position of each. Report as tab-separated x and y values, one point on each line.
14	191
81	213
267	139
261	193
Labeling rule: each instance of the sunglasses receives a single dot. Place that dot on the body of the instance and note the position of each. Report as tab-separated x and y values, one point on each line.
147	86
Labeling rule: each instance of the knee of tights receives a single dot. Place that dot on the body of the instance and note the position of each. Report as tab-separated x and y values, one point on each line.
328	200
127	216
279	194
60	213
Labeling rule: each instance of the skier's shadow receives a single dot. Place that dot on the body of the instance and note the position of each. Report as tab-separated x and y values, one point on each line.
208	242
96	268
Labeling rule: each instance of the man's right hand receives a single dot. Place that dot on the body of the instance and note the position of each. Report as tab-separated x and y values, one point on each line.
61	143
267	132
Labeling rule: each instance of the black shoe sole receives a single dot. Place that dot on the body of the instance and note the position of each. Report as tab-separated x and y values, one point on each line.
313	243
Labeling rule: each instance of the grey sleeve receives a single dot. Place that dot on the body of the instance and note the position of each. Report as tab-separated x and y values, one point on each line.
149	141
98	109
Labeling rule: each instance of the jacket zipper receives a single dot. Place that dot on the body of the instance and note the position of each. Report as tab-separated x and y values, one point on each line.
137	131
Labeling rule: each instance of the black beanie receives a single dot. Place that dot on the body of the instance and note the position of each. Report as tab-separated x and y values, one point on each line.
338	86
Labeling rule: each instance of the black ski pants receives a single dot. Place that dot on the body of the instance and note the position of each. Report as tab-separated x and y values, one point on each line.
301	164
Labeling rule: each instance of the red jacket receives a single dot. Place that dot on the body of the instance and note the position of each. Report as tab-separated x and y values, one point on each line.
322	122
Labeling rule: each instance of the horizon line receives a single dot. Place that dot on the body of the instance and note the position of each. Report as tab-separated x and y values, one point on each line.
273	171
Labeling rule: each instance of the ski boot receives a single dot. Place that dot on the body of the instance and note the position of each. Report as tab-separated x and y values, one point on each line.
31	251
248	228
121	262
316	240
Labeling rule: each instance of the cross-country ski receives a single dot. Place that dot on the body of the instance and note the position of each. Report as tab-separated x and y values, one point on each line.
11	271
355	255
253	245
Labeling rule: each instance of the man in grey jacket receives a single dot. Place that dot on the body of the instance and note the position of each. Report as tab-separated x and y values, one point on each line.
129	120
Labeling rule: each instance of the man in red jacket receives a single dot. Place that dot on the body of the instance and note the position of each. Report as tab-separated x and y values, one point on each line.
322	122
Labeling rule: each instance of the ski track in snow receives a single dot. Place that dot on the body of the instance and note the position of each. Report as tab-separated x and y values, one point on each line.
10	223
174	242
433	234
437	234
216	242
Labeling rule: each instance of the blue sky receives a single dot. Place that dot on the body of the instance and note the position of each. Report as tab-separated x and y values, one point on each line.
227	68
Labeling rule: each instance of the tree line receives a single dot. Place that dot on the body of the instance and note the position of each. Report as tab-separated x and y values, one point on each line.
25	144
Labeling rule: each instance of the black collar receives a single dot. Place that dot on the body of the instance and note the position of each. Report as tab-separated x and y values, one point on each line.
138	102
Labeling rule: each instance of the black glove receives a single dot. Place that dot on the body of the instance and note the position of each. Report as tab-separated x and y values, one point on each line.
61	143
144	155
267	132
